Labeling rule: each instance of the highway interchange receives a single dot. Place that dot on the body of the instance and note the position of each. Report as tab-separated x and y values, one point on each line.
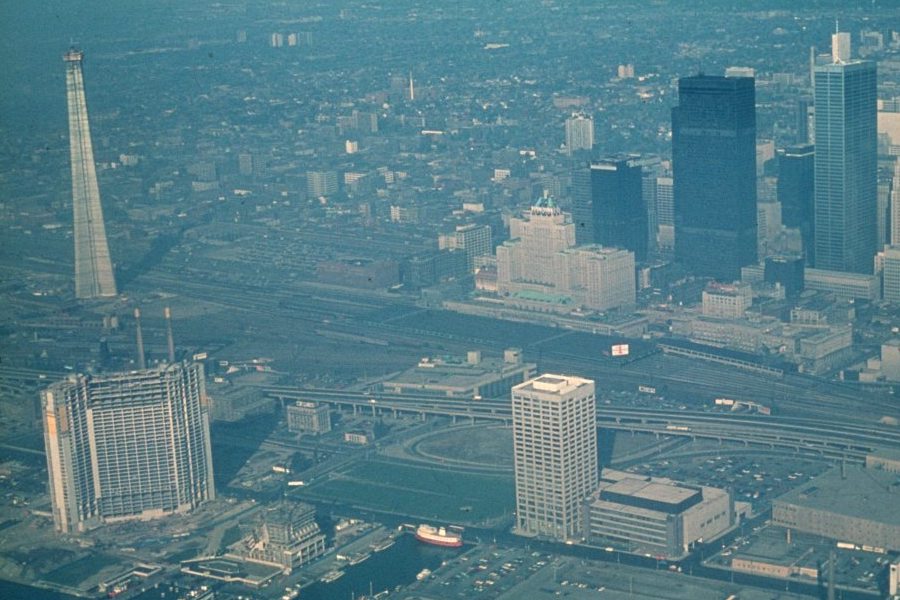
830	440
834	418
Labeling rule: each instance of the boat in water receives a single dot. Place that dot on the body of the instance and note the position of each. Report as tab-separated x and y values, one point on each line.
423	574
358	558
331	576
383	544
438	536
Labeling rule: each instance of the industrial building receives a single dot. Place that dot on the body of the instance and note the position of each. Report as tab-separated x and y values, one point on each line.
555	454
308	417
727	301
125	446
472	376
887	460
360	273
656	515
846	286
848	504
235	398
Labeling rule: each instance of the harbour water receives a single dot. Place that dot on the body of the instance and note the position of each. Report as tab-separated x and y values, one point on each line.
398	565
17	591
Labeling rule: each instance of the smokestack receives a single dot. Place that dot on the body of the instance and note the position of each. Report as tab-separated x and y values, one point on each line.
142	361
169	338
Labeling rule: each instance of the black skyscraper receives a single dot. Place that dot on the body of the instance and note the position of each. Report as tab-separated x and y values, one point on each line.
609	206
714	163
796	192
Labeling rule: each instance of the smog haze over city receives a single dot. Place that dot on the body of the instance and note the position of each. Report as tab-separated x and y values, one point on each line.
428	300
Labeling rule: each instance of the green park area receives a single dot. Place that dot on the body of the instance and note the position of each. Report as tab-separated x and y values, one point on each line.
434	493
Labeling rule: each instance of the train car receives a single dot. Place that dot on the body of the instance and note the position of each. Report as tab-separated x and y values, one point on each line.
677	428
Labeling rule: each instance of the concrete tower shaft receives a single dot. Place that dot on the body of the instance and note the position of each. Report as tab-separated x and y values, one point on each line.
93	267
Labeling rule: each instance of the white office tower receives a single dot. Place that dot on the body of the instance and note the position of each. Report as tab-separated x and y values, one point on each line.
126	446
846	162
895	205
840	47
890	272
93	267
579	133
665	214
555	447
472	238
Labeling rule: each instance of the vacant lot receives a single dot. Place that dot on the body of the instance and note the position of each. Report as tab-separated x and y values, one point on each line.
489	446
427	492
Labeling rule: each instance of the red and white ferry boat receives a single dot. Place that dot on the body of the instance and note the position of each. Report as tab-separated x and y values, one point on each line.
439	536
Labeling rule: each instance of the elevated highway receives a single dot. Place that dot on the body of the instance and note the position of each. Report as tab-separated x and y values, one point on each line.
833	440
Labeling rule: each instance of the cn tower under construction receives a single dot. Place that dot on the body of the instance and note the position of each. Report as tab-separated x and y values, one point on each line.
93	267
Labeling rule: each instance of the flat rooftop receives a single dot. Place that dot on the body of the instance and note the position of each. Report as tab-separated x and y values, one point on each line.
863	493
455	374
890	453
551	384
651	490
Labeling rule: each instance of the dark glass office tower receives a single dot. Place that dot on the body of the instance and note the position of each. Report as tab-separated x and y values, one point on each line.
846	166
609	207
802	120
714	164
796	177
583	205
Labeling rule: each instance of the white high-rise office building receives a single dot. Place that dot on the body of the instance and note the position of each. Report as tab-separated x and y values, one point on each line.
125	446
555	451
321	183
895	205
579	133
890	273
665	214
846	162
472	238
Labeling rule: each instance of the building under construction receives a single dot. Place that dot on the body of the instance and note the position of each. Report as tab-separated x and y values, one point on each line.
131	445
